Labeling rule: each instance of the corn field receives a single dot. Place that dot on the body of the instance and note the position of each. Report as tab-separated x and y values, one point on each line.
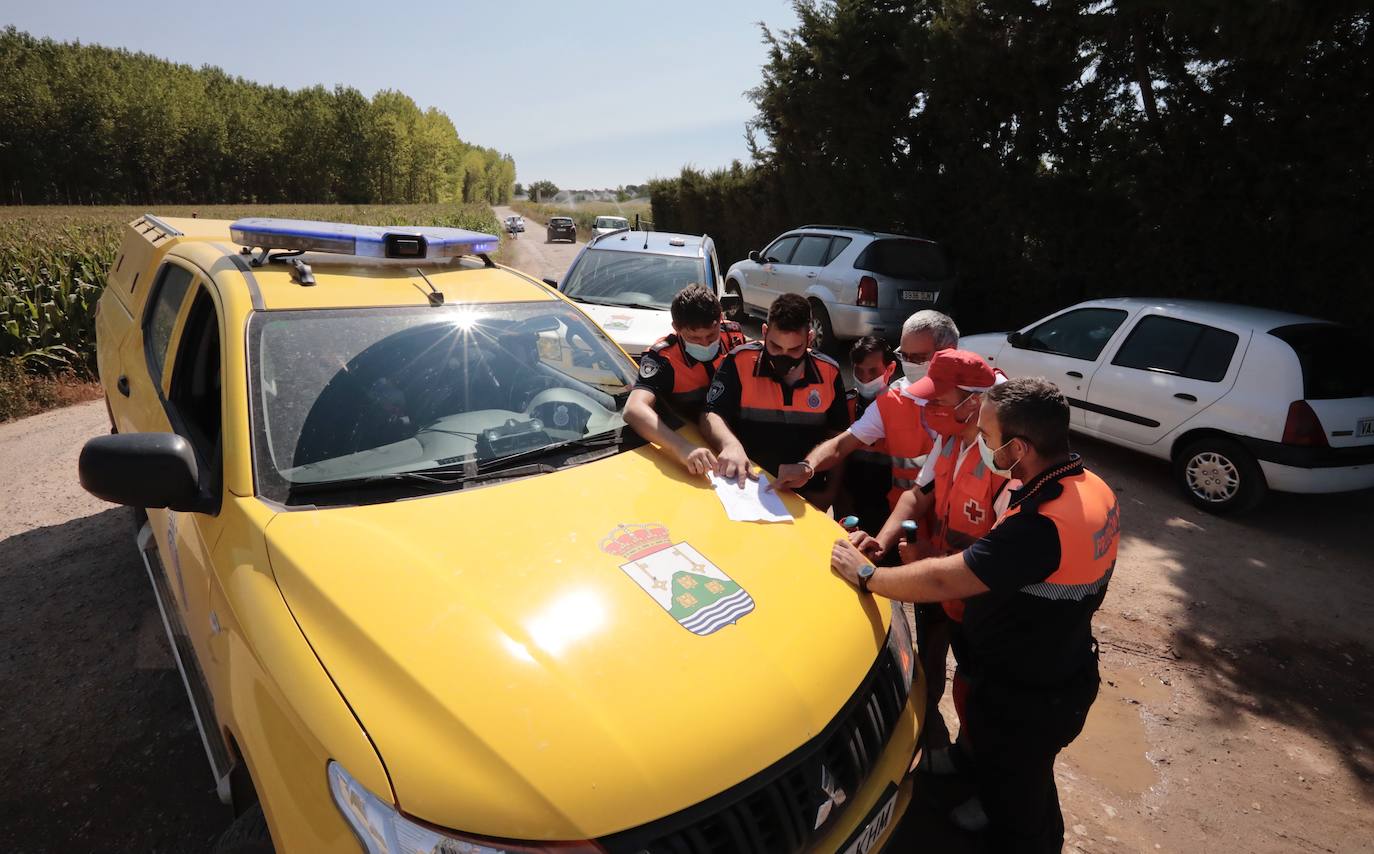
53	263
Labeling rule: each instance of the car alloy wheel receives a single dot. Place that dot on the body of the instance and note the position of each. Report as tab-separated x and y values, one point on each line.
1212	477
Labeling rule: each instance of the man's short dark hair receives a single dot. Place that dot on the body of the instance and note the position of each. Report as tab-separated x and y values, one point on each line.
1034	409
790	313
695	307
867	346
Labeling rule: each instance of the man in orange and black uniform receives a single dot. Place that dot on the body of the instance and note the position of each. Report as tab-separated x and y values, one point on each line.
773	400
1031	586
677	370
868	470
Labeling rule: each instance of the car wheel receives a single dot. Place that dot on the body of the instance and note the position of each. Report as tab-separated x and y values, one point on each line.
1220	476
737	314
824	334
247	835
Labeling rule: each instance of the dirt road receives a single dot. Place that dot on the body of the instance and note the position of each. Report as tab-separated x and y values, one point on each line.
1236	712
530	253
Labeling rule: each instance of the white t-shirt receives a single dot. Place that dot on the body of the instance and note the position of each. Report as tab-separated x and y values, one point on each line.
869	428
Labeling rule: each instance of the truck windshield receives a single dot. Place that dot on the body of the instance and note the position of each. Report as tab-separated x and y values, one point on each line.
365	394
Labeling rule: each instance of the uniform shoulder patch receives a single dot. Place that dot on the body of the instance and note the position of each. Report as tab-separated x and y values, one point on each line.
716	390
648	367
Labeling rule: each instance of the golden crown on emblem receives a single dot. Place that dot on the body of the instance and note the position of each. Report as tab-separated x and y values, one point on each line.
633	542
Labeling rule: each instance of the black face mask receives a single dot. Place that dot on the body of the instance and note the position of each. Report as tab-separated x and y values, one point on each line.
781	366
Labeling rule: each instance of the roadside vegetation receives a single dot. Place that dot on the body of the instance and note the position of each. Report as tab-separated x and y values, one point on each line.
1065	151
583	213
84	124
53	264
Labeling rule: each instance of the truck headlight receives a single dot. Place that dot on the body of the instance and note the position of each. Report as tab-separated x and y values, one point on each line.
382	829
899	644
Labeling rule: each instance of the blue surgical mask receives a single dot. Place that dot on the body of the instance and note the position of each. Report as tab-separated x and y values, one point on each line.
702	352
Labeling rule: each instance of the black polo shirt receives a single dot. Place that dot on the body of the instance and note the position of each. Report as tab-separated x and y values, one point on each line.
1014	632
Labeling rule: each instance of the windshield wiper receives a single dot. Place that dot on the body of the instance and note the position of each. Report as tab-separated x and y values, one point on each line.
596	440
442	478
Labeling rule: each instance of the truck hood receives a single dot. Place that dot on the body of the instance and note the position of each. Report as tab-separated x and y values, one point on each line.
575	653
634	329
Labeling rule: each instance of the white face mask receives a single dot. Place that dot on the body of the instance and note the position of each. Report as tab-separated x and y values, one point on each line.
872	388
989	455
914	371
702	352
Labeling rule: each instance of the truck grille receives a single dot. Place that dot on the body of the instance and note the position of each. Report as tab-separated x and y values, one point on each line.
776	810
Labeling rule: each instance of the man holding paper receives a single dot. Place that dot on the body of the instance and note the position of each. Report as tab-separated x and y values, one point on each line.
771	401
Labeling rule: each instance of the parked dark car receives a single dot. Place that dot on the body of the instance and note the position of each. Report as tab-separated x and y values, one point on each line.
562	228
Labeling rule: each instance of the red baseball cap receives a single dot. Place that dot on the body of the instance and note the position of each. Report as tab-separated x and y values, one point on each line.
951	369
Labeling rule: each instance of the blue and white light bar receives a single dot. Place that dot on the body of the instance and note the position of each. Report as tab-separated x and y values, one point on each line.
367	241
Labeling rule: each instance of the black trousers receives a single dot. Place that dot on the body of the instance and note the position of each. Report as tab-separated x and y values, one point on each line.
1016	733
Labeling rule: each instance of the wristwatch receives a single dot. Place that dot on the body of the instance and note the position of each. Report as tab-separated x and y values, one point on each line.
865	574
810	469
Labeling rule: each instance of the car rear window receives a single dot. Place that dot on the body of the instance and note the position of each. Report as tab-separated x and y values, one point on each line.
1333	364
905	259
1171	346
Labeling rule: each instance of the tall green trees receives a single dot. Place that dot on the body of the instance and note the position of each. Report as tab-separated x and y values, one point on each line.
85	124
1064	150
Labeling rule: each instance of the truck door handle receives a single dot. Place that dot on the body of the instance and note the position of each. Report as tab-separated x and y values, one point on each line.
1076	375
811	275
1185	396
123	385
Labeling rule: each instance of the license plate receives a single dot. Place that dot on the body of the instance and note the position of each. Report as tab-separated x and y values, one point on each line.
921	296
1364	427
867	836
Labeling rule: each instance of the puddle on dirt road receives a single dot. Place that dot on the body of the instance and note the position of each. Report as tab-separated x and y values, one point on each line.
1111	750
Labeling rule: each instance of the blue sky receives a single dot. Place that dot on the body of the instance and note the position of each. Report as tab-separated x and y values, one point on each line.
586	94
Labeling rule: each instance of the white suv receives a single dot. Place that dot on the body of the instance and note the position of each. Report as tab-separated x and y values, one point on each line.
859	282
1241	400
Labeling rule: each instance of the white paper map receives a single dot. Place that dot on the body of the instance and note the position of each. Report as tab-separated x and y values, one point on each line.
750	504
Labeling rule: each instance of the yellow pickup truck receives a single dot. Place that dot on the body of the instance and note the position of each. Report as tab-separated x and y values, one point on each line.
428	593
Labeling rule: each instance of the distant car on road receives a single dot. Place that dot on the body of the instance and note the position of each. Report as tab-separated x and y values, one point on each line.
627	280
859	282
515	224
606	224
1241	400
562	228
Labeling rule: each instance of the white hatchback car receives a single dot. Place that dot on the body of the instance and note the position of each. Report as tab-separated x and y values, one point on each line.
1241	400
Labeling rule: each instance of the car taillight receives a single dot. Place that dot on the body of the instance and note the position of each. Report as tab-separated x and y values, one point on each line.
868	292
1303	427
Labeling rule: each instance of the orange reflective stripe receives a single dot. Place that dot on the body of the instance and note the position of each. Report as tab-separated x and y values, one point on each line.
1088	518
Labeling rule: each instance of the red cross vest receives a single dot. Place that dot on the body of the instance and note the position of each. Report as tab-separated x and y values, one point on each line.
907	439
690	377
962	512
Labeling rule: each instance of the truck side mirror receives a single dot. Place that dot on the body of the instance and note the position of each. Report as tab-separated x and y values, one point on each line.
142	470
755	256
553	283
1016	339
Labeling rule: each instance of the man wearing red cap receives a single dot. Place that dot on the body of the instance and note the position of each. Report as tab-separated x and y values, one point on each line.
964	498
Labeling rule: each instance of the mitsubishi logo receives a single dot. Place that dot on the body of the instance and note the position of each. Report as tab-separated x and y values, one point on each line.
973	511
834	797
